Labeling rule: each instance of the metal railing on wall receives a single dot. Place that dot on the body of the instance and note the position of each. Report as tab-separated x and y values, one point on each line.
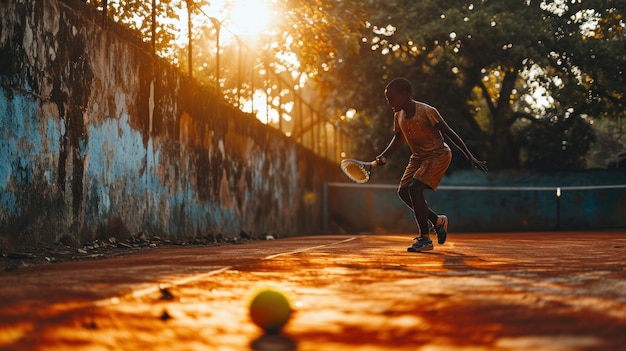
253	83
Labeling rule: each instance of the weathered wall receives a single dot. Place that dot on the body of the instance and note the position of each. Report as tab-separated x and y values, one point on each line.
377	208
100	138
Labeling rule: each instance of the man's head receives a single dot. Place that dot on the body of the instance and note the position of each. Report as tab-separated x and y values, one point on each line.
398	93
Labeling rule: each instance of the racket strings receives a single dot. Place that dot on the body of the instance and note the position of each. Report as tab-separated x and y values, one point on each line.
355	171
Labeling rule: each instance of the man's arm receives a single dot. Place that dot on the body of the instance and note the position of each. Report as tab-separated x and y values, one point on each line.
458	142
394	144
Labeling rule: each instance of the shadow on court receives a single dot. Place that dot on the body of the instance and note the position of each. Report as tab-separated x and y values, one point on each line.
526	291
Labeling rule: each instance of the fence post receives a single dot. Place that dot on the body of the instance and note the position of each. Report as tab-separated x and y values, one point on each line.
153	34
558	208
190	42
104	13
217	24
238	71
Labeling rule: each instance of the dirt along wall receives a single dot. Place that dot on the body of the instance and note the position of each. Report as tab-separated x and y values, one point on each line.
100	138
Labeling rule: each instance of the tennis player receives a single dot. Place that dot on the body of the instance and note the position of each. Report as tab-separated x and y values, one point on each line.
422	128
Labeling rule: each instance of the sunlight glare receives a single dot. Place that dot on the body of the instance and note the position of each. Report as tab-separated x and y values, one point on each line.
250	16
259	107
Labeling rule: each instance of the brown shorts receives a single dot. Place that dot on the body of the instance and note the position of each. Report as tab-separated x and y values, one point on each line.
428	169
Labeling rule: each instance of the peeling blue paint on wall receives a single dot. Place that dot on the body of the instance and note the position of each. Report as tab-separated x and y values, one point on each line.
104	139
14	133
21	142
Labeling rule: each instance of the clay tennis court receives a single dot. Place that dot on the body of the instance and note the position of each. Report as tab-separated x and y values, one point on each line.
523	291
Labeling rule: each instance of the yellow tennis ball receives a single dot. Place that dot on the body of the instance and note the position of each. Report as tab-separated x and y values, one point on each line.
270	310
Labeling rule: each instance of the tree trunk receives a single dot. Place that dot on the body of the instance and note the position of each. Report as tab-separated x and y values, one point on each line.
505	150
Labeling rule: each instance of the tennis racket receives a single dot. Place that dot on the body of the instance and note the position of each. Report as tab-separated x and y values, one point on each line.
357	171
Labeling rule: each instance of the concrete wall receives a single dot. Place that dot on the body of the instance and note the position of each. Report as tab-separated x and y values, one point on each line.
99	138
503	202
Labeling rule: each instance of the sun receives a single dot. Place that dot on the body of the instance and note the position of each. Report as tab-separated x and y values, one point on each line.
241	17
248	17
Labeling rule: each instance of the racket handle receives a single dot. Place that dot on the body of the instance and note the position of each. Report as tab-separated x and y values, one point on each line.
379	161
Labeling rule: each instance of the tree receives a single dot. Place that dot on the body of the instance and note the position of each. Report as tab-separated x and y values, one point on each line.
555	142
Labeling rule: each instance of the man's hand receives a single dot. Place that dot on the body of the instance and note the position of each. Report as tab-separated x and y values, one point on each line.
482	165
380	160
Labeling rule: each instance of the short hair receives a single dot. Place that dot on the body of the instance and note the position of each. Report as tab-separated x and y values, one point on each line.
400	85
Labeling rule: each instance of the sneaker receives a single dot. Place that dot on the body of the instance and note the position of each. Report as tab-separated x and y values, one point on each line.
442	230
422	244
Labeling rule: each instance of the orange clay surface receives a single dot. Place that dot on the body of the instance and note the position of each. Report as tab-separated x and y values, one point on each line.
523	291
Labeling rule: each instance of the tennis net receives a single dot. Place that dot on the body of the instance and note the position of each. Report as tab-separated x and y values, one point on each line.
376	208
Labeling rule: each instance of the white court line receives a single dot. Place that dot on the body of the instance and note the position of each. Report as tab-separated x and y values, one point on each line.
308	248
182	281
158	286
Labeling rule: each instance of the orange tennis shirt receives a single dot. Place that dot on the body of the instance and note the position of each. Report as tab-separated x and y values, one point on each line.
419	131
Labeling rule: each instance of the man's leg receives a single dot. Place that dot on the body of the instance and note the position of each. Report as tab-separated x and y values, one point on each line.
421	212
405	196
420	207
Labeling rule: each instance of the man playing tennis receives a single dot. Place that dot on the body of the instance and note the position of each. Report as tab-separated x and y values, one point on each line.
422	128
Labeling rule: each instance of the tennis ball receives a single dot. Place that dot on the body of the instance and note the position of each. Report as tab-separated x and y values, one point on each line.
270	310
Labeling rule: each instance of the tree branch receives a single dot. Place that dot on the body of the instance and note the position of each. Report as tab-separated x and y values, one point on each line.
485	91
